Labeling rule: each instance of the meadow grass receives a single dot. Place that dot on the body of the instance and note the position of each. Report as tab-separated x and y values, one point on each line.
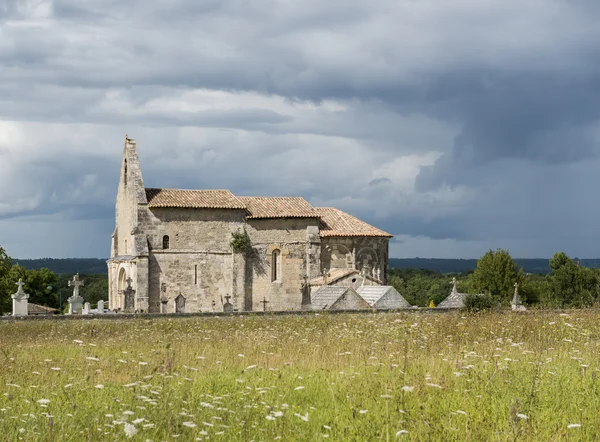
363	377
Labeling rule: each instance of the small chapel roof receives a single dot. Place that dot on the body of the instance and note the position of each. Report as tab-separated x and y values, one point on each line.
193	199
335	222
327	296
278	207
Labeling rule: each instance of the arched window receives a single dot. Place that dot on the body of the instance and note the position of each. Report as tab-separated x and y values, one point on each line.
166	242
276	266
125	173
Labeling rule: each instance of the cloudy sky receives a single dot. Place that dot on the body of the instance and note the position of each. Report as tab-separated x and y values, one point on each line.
458	126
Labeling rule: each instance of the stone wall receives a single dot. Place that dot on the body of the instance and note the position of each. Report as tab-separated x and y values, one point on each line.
299	256
370	253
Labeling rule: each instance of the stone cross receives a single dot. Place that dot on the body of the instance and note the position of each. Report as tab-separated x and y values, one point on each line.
264	302
454	285
20	301
76	283
516	302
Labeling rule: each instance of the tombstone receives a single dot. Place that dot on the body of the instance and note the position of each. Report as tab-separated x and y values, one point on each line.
20	301
75	301
516	305
100	307
228	306
163	305
180	304
129	294
86	309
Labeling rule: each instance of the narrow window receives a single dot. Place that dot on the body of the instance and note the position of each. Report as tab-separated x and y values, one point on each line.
196	274
126	247
275	265
166	242
125	174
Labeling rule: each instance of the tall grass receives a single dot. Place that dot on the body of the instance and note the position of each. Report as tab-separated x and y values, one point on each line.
393	376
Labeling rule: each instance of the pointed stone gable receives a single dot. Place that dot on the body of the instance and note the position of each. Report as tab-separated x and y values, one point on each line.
383	297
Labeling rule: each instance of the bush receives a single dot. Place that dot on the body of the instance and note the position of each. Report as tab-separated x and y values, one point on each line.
474	303
240	241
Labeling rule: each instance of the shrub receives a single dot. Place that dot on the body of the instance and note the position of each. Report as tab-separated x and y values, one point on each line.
474	303
240	241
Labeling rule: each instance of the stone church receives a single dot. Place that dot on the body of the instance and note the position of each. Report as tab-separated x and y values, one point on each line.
186	251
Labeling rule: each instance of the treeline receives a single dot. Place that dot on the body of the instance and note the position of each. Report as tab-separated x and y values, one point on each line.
44	286
568	284
68	266
537	265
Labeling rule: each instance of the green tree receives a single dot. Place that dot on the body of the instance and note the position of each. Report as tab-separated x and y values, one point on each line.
5	289
570	285
496	274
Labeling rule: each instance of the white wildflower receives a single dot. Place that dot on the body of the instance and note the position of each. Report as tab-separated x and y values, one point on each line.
241	356
522	416
401	433
44	401
461	412
270	418
299	388
250	367
99	386
91	358
363	411
574	426
55	369
407	388
130	430
304	418
138	421
189	425
77	341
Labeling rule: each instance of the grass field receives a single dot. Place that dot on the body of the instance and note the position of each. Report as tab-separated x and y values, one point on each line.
392	376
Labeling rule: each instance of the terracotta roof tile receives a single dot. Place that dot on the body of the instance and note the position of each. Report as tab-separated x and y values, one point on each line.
193	199
334	222
278	207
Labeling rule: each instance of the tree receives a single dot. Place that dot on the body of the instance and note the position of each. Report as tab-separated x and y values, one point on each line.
5	289
496	274
570	285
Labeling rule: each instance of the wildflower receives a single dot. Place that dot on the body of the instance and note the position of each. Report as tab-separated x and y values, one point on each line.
304	418
401	433
91	358
68	385
44	401
130	430
363	411
241	356
461	412
407	388
99	386
55	369
299	388
138	421
574	426
270	418
250	367
77	341
189	425
522	416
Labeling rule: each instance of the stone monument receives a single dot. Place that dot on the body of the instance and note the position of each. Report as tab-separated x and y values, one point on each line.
100	307
516	301
20	301
228	306
129	294
75	301
86	309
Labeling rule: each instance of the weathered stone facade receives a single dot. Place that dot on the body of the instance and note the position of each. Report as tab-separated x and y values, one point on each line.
171	249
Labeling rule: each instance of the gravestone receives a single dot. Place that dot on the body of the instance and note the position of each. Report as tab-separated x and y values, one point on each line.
163	305
20	301
75	301
228	306
180	304
129	295
86	309
100	307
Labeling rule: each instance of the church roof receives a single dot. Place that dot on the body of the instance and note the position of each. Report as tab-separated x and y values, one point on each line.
374	293
193	199
334	276
278	207
334	222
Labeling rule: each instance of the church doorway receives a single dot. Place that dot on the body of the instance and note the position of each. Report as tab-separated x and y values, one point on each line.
180	304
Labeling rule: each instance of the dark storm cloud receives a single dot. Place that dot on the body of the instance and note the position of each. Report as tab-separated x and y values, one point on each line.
467	124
